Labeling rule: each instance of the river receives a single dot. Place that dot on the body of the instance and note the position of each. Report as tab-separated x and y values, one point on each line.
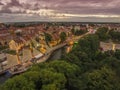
4	77
55	56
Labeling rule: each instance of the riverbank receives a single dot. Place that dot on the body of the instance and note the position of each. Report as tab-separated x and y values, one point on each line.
43	58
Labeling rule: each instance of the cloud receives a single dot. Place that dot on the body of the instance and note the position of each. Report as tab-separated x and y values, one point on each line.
68	9
5	10
1	3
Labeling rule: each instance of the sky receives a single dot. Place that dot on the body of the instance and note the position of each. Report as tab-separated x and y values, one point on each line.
60	10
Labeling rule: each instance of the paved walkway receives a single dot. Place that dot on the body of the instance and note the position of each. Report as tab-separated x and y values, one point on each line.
12	59
27	54
109	46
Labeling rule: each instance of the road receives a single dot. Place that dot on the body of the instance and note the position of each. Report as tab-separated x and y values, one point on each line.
77	38
27	65
12	59
59	46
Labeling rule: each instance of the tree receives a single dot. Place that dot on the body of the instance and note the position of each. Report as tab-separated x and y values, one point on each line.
84	68
34	76
48	38
78	32
73	31
52	78
109	53
115	36
50	87
117	54
63	36
103	79
103	34
39	77
70	71
18	83
37	39
89	44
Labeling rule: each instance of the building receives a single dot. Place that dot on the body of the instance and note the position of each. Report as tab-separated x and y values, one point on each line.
3	61
15	44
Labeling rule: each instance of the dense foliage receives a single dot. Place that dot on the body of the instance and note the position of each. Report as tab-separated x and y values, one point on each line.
84	68
103	33
115	35
3	47
13	52
63	36
56	75
106	34
78	32
99	70
48	38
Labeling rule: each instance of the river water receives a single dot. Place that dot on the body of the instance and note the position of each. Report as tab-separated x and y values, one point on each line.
55	56
4	77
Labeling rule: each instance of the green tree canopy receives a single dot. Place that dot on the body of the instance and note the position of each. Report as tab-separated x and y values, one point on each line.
18	83
63	36
103	79
48	38
103	34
